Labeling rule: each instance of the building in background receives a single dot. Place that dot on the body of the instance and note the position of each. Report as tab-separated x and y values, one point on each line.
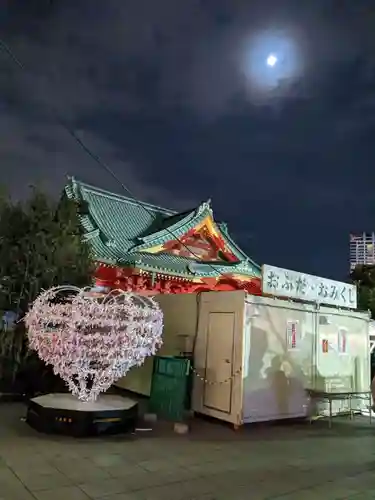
147	249
362	249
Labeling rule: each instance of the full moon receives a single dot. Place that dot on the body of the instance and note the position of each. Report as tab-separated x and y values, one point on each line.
271	60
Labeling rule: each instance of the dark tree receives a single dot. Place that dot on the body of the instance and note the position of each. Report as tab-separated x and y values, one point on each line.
41	246
364	278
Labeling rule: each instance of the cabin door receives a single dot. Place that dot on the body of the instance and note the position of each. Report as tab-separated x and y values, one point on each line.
219	361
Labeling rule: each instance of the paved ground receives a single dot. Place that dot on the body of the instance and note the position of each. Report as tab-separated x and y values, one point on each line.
213	462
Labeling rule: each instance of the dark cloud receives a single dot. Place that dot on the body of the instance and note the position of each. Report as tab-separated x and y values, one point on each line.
160	90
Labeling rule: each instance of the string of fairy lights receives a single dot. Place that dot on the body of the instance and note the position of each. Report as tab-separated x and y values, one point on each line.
91	342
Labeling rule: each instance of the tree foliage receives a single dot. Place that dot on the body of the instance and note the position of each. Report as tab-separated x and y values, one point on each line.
41	246
364	278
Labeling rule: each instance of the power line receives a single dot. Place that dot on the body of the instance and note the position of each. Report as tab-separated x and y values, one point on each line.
97	159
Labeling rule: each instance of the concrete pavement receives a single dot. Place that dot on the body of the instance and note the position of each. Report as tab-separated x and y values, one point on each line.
212	462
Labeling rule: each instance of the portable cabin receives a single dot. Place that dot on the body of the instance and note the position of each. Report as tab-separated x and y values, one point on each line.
255	358
258	356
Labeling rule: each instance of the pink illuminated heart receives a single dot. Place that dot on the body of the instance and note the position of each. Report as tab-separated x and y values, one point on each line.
93	340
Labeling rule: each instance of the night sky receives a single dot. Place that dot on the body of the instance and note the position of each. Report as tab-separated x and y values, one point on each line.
177	97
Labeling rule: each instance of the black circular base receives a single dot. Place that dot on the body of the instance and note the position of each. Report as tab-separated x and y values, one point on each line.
64	414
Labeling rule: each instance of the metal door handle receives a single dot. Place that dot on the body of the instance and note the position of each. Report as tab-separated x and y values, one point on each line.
227	361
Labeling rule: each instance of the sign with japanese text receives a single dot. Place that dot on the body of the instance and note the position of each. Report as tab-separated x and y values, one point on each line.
292	335
291	284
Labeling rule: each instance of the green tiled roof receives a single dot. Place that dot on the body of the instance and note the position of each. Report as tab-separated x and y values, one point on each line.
119	228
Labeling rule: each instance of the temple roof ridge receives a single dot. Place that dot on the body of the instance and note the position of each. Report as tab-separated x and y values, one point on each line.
177	229
204	206
118	197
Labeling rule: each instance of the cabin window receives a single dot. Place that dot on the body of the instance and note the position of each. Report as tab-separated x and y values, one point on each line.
293	335
342	341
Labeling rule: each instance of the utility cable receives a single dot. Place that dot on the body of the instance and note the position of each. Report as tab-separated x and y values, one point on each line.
98	160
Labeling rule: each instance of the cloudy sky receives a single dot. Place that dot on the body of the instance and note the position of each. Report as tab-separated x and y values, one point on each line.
177	98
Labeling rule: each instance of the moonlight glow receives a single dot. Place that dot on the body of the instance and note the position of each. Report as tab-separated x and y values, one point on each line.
271	61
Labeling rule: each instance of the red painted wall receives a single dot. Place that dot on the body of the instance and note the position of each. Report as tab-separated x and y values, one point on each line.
129	280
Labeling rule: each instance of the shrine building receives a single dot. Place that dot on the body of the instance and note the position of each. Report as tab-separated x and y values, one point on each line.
148	249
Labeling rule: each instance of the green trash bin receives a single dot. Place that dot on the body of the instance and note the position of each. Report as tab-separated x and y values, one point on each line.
170	387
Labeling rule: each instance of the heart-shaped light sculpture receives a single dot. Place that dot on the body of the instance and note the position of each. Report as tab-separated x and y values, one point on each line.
90	339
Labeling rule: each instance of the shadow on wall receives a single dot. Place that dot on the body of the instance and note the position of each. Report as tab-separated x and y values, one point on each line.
277	375
276	390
